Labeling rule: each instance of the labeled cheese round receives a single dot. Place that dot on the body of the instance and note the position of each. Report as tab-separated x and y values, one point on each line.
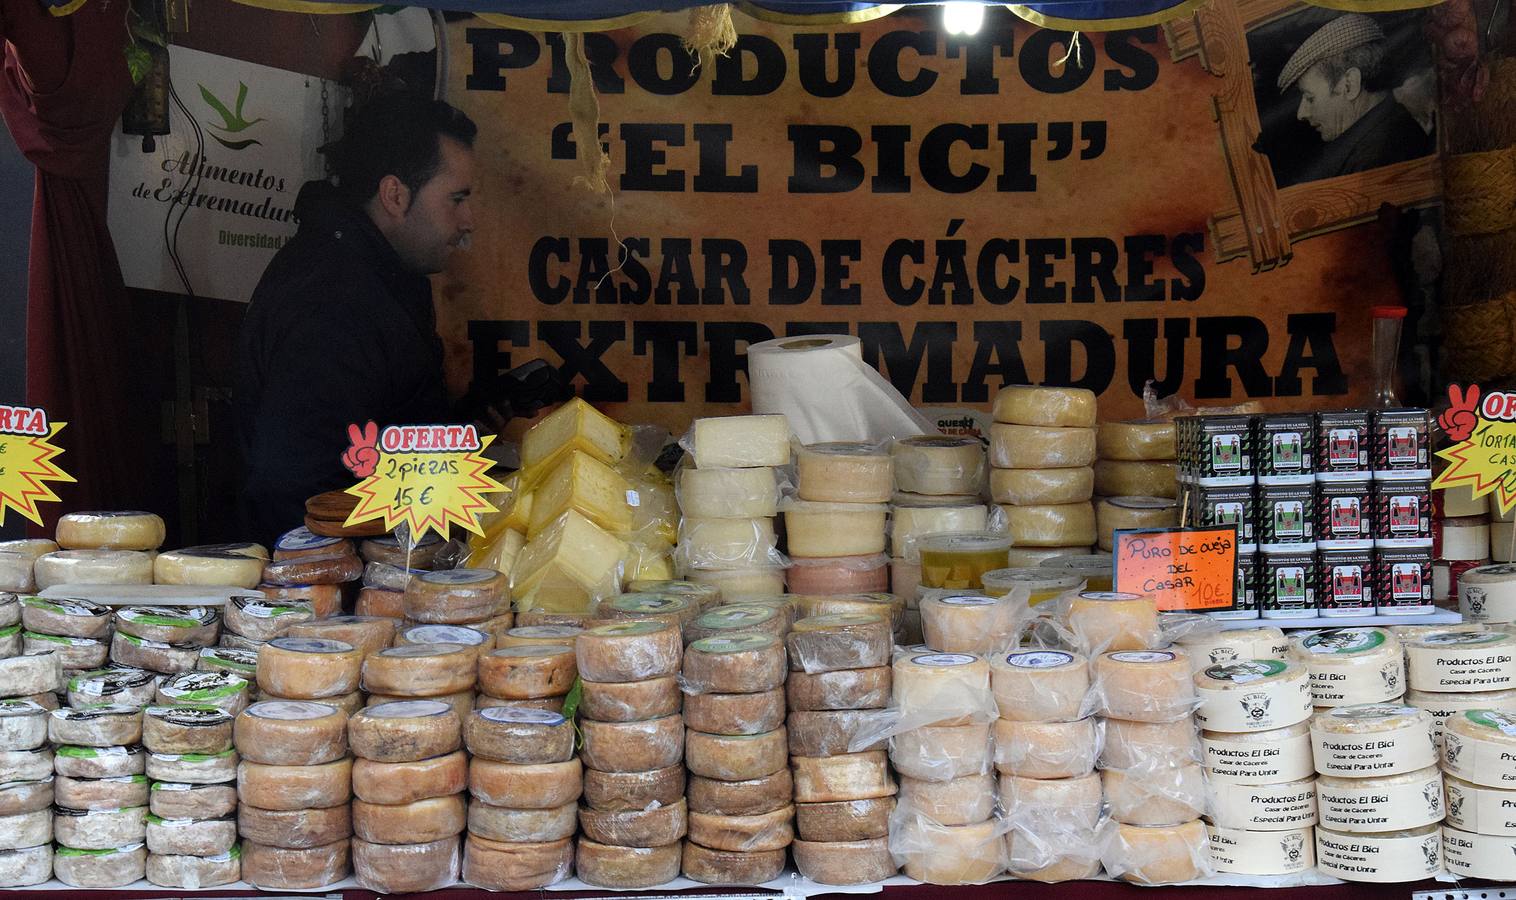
1471	855
833	642
1138	439
295	787
1109	620
633	790
16	572
498	866
626	868
1373	740
26	866
675	608
227	659
1260	757
739	663
1166	854
194	872
731	714
308	668
736	619
1157	797
943	688
455	596
967	623
527	671
1389	857
101	725
422	821
1113	514
1281	806
1025	404
369	634
1039	685
518	735
516	786
1479	809
845	473
186	729
835	529
125	530
407	782
1252	695
736	757
1351	666
847	820
498	823
109	868
629	651
302	542
207	567
1038	487
409	867
735	867
1262	853
99	829
1477	747
190	837
418	670
291	733
196	768
222	690
325	599
1462	661
404	731
633	746
656	826
1123	478
1213	648
1387	803
317	569
938	464
75	762
74	654
563	635
23	725
301	868
1144	685
1045	749
842	689
29	829
1488	593
948	854
850	776
66	617
182	800
110	567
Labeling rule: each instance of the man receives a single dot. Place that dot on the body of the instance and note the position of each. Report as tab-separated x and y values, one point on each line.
341	328
1345	95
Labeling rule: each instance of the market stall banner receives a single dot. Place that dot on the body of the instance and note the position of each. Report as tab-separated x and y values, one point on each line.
1154	204
217	194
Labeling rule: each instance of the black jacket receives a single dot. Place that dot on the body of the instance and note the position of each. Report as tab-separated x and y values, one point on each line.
337	333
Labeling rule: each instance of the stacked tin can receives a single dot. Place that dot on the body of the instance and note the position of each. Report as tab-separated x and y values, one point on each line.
1333	510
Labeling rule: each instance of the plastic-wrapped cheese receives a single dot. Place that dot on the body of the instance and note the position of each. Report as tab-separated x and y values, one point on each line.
291	733
1063	525
16	572
1352	665
109	868
1155	797
834	529
1374	740
328	568
727	543
736	619
728	493
736	584
455	596
1252	695
759	833
302	868
1280	755
406	782
1046	749
1037	447
938	465
523	736
74	653
325	599
633	746
1109	620
93	567
918	517
1058	805
521	786
123	530
186	729
1095	568
844	820
264	620
422	821
755	796
1208	649
207	567
841	689
835	575
66	617
1116	513
99	829
26	829
1039	685
75	762
527	671
190	837
404	731
1390	857
948	854
1121	478
633	790
739	442
296	829
629	651
295	787
1166	854
738	663
195	768
1144	685
19	797
23	725
850	776
1388	803
732	714
496	866
654	827
498	823
959	801
1138	440
942	753
626	868
845	473
943	688
198	625
368	634
182	800
104	725
1037	487
1046	406
407	868
418	670
731	867
26	866
831	732
829	643
23	676
565	635
309	668
736	757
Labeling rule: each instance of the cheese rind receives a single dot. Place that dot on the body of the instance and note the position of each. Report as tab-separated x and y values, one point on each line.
1039	685
841	689
711	866
629	651
626	868
1044	806
1045	749
419	822
654	827
115	530
1024	404
517	735
1040	447
498	823
1107	620
1158	855
406	868
291	733
942	752
1155	797
943	688
959	801
739	442
1123	478
296	787
419	670
733	714
282	868
1397	856
92	567
844	862
938	465
1252	695
407	782
404	731
1137	439
1060	525
1144	685
845	473
297	829
948	854
849	776
498	866
633	790
844	820
834	529
735	757
514	786
527	671
1040	487
308	668
734	664
833	642
633	746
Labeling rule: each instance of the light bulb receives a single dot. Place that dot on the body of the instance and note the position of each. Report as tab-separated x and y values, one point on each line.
960	17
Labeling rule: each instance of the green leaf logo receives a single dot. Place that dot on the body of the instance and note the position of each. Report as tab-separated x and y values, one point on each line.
232	121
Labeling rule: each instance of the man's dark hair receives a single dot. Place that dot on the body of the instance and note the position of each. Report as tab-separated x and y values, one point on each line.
395	134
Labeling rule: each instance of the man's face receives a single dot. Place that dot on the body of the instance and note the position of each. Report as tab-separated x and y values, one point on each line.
439	218
1324	106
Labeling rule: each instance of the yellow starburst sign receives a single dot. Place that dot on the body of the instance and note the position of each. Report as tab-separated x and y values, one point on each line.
1484	458
26	461
428	477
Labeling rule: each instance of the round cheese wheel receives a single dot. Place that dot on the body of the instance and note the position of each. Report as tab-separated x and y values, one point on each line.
222	690
1390	857
1059	805
23	725
1045	749
291	733
1477	855
422	821
1261	853
33	828
1032	858
1284	806
727	493
629	651
914	518
741	618
734	867
734	714
186	729
103	725
745	834
1139	439
347	703
741	798
1166	854
1252	695
308	668
1488	593
1144	685
948	854
111	567
498	866
294	829
390	550
942	688
1038	487
521	736
833	732
564	635
966	623
1024	404
1061	525
226	659
1259	757
1375	740
380	603
942	753
727	543
1207	648
842	689
327	568
938	464
295	787
527	671
1476	747
109	868
1117	513
844	820
125	686
369	634
1039	685
1040	447
302	542
455	596
959	801
294	869
626	868
1387	803
845	473
407	868
181	800
124	530
849	776
498	823
828	643
736	757
1095	568
97	829
194	872
404	731
538	786
1108	620
66	617
100	793
735	585
633	746
75	762
190	837
1352	666
23	676
325	599
407	782
1122	478
738	663
204	566
19	797
419	670
835	529
195	768
1158	797
75	654
654	827
633	790
630	701
16	572
198	625
1462	661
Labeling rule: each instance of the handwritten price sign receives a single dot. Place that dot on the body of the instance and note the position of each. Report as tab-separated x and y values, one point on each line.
429	477
1485	456
1189	569
26	461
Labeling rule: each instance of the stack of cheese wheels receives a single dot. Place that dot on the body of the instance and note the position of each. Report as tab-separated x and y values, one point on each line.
408	780
10	625
76	632
1379	794
1147	697
1042	446
220	565
1351	666
249	621
1462	524
477	597
26	851
1453	671
447	672
388	566
729	494
836	530
309	668
1137	458
192	846
939	487
634	816
1487	594
314	568
17	561
1257	752
1045	751
944	828
1479	837
101	548
529	675
294	785
95	812
162	639
1208	648
839	670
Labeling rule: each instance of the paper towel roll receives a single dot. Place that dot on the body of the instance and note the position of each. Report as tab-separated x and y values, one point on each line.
828	393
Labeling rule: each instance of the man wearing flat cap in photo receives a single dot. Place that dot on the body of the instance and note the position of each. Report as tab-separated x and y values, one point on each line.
1345	94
